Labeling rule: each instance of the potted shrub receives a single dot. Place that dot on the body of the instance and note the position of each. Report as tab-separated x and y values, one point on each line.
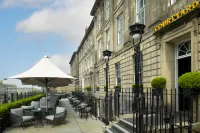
158	84
117	88
104	88
97	88
88	88
191	81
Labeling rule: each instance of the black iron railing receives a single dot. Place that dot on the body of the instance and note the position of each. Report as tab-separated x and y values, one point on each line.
156	110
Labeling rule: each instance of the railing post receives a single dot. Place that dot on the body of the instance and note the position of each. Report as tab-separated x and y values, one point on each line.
17	96
110	107
172	123
21	97
12	97
5	98
118	103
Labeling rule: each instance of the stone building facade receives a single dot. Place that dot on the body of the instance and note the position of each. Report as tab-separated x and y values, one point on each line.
74	69
170	43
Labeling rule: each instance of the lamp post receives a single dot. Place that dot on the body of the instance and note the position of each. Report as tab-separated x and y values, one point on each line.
136	30
106	55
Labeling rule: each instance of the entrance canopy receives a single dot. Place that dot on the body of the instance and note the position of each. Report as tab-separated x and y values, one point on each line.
44	74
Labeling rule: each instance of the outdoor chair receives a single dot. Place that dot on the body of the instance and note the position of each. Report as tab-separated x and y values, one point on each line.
19	116
86	110
60	115
35	104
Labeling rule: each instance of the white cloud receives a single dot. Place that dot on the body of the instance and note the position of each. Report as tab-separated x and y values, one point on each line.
66	18
24	3
62	61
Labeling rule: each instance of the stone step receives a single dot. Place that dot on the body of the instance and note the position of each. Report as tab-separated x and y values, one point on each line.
126	123
120	128
110	130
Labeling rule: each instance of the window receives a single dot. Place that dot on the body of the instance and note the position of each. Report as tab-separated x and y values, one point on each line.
100	48
120	29
107	9
99	21
140	11
108	39
118	77
171	2
184	49
91	60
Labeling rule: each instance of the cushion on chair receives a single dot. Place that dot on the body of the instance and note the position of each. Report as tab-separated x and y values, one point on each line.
59	110
27	107
50	117
17	111
27	118
35	104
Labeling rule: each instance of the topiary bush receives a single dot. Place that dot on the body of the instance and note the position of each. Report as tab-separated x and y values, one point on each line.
5	108
158	83
190	80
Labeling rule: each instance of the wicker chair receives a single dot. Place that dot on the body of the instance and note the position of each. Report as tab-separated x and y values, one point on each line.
60	115
19	115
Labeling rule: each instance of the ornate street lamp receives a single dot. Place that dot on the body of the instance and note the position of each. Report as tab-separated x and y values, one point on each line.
136	30
106	55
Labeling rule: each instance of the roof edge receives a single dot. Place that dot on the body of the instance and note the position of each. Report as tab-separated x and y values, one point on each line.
95	7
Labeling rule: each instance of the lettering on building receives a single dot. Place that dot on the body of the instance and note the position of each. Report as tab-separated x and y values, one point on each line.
177	15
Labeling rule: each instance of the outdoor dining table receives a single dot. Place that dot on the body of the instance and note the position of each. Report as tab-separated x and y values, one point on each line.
39	115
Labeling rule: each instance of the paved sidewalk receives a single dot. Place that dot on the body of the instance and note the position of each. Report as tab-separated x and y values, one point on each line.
74	124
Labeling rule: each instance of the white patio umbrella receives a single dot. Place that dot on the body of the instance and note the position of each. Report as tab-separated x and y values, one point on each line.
44	74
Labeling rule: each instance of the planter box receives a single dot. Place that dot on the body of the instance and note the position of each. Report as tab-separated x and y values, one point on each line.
117	89
97	89
157	92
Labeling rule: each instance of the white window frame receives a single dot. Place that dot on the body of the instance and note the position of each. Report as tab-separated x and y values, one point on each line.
100	48
99	21
139	11
120	29
107	9
108	39
118	74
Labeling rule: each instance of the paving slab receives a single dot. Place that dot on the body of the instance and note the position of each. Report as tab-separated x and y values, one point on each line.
74	124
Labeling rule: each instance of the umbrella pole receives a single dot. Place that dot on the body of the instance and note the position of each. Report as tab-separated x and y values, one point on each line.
46	80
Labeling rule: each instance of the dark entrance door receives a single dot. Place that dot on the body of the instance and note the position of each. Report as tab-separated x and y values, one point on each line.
184	66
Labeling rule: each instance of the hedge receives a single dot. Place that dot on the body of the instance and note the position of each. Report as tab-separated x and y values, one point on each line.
190	80
158	83
5	108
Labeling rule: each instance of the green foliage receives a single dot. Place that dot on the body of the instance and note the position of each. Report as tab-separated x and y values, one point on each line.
158	83
88	88
117	87
5	108
189	80
134	86
97	87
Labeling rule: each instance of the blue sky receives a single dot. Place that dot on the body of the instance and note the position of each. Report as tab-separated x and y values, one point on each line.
30	29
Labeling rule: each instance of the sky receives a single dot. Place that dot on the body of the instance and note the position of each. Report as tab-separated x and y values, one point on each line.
30	29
